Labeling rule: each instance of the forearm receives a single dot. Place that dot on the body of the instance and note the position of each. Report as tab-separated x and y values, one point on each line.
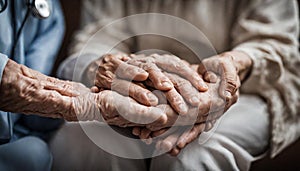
27	91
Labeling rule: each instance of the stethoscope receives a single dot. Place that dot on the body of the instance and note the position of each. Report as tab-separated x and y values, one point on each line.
40	9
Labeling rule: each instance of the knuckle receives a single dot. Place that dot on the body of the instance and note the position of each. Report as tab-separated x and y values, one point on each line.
107	57
182	83
231	82
173	57
223	63
225	54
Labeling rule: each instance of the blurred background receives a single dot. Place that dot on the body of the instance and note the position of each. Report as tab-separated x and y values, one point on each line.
287	160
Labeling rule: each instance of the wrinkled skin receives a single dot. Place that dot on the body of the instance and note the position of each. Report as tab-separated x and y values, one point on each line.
231	67
180	90
124	111
170	63
24	90
102	73
210	107
115	72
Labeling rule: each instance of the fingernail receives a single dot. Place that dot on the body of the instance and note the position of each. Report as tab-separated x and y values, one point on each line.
180	144
227	94
204	86
208	126
135	133
167	84
163	119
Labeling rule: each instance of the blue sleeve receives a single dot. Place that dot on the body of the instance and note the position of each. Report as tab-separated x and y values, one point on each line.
3	61
42	52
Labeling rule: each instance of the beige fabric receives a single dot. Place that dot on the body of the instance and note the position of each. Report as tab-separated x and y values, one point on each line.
230	146
267	30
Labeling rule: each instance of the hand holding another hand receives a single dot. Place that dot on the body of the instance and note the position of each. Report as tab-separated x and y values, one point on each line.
177	83
24	90
135	75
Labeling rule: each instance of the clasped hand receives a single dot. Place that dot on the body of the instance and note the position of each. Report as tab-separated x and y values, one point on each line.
186	94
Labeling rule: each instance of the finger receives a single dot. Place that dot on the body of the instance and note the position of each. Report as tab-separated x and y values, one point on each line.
161	96
159	132
131	72
229	81
147	141
145	136
205	104
124	57
64	89
210	77
217	105
176	101
115	105
168	143
194	67
175	151
143	115
95	89
231	101
190	135
173	120
157	145
137	55
123	69
136	131
145	133
173	64
159	80
140	94
185	88
208	126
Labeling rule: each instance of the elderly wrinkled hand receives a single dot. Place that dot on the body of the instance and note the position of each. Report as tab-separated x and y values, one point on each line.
30	92
203	117
133	75
24	90
231	66
210	106
103	73
179	90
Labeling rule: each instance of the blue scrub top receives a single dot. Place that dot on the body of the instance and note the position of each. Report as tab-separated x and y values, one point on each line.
37	46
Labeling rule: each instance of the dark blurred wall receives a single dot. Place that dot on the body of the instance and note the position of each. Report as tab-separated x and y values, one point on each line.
71	9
